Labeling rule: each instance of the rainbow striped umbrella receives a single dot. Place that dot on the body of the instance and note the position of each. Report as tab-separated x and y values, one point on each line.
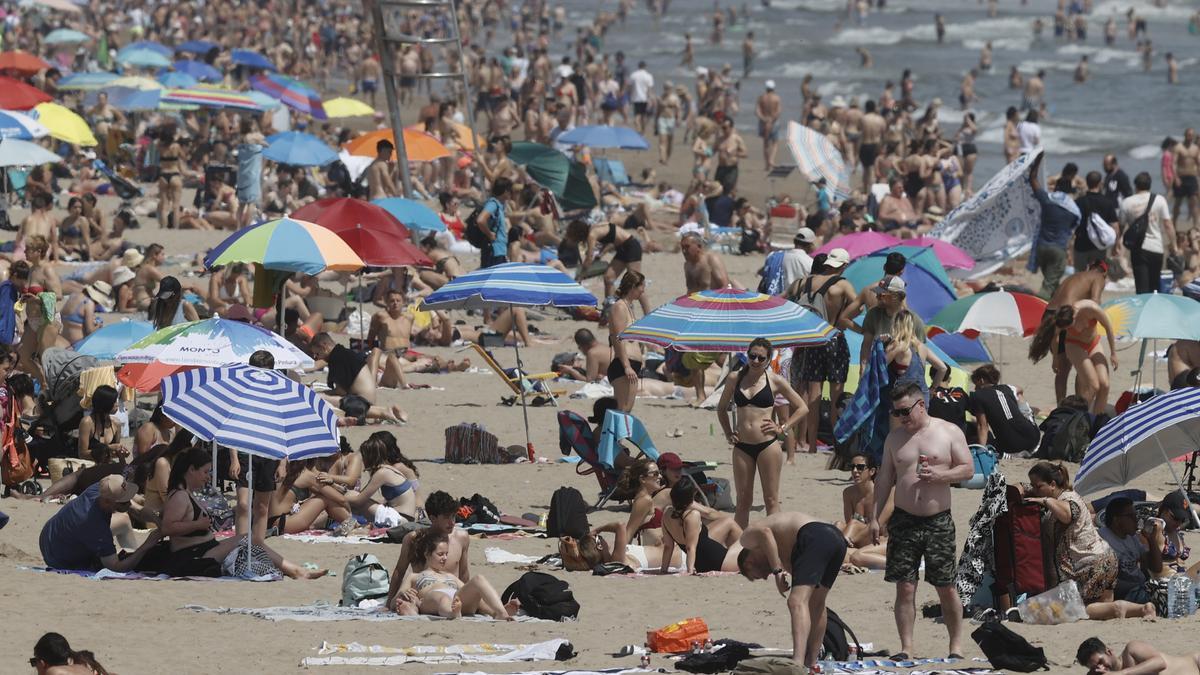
727	320
292	93
211	98
817	158
998	313
1154	316
286	244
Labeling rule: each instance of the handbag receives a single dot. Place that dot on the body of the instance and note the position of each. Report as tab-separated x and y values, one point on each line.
1135	234
1101	234
16	465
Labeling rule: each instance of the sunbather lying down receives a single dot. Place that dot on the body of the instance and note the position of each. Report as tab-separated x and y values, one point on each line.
436	591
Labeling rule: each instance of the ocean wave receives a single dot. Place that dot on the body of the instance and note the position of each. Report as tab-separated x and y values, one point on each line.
1014	44
995	29
1065	139
1143	8
1101	55
1148	151
814	68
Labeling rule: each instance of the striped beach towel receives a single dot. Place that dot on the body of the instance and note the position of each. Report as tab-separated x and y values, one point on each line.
863	406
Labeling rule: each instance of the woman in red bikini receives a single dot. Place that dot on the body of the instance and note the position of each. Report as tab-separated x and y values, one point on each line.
1078	338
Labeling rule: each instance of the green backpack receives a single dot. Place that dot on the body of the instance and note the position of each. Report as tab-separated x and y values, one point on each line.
365	578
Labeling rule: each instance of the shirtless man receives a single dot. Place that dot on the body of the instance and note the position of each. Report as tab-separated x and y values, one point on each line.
596	357
922	457
731	149
370	72
39	222
852	127
1012	139
380	183
667	116
410	65
1084	285
873	127
1187	167
767	111
1182	357
1035	90
815	551
440	507
1138	658
896	209
703	270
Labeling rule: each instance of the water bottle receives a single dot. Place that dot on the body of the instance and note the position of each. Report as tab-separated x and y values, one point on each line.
1191	595
1179	596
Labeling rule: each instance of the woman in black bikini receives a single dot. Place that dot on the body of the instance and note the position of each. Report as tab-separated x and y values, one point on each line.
627	252
709	549
756	442
194	549
170	178
626	361
100	428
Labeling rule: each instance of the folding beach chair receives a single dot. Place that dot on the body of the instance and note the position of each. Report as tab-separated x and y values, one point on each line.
534	383
575	435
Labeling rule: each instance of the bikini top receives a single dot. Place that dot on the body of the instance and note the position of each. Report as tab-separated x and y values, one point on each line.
391	492
763	398
611	237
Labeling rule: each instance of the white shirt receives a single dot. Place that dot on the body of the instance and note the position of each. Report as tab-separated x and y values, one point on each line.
520	70
1030	134
641	83
797	264
1132	208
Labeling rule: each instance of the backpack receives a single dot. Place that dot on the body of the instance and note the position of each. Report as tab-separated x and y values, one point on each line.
365	578
543	596
815	301
1065	435
722	659
1101	234
473	231
835	646
477	510
568	514
1135	234
1007	650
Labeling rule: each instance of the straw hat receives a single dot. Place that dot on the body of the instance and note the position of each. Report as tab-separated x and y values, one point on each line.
122	275
101	293
132	258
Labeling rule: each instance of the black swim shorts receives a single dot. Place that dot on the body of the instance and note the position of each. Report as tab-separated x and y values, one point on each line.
911	538
1188	187
817	555
827	362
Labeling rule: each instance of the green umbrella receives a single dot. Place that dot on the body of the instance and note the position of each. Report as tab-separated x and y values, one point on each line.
556	172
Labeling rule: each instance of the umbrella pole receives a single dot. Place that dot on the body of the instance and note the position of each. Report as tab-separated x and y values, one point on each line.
361	337
214	463
520	379
1175	477
249	513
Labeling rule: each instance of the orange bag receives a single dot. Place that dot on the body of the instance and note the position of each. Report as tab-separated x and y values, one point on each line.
678	637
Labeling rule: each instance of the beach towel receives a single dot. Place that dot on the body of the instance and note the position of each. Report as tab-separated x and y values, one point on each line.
105	575
355	654
617	427
865	403
607	671
324	611
999	222
978	554
327	537
498	556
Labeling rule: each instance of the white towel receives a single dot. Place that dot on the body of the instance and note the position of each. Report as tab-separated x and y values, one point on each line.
386	516
498	556
376	655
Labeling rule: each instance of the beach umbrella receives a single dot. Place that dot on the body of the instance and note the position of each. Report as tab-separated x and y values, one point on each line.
147	377
108	341
142	57
858	244
213	342
156	47
199	70
22	62
196	47
604	136
566	178
512	285
127	100
959	377
817	158
347	107
929	289
17	95
727	320
59	5
292	93
85	81
258	411
136	82
1154	316
412	213
375	234
211	98
949	254
296	148
464	136
15	152
64	124
264	101
250	59
177	80
1142	438
288	245
419	146
65	36
961	348
997	313
18	125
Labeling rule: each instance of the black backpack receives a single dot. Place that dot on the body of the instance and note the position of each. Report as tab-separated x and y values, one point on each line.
1135	235
568	514
478	510
543	596
836	645
473	231
1007	650
1065	435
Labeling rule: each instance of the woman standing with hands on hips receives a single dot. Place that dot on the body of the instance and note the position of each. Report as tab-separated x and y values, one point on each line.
756	441
626	358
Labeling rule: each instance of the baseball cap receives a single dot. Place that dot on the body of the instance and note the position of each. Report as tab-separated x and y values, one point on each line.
1177	505
117	489
669	460
838	257
891	284
168	287
770	84
805	235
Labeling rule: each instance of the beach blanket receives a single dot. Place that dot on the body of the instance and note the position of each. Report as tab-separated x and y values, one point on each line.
607	671
860	413
873	665
355	654
324	611
104	575
998	222
326	537
498	556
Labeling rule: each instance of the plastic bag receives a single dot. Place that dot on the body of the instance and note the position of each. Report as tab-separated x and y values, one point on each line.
1061	604
679	637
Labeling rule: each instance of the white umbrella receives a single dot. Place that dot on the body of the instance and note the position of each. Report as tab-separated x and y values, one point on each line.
213	342
21	126
15	152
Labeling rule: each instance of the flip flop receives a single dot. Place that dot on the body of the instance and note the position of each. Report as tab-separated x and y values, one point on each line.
899	656
955	656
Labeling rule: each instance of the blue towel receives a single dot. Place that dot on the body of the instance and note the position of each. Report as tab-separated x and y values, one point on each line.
619	426
863	406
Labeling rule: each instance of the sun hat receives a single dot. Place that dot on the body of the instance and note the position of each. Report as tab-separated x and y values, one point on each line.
101	293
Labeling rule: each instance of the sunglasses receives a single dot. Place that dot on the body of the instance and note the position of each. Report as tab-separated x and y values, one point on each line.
756	357
905	412
33	661
858	467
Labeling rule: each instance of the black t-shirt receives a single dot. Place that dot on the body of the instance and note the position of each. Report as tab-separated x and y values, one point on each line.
344	365
1010	430
950	404
1092	202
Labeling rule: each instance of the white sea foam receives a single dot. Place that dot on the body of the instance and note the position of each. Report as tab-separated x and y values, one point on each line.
1148	151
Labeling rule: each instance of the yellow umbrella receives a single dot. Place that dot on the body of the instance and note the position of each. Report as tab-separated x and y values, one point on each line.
347	107
135	82
65	125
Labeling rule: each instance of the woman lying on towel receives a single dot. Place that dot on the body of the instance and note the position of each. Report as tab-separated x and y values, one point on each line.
193	548
436	591
583	555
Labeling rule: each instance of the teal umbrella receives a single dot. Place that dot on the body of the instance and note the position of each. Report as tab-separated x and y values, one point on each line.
929	289
556	172
64	36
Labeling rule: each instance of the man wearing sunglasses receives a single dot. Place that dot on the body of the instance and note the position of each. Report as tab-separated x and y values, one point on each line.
79	536
922	457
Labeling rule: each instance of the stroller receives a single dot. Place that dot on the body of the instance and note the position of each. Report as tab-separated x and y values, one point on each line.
60	404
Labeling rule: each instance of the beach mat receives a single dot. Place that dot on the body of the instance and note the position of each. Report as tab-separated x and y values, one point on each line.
355	654
104	575
324	611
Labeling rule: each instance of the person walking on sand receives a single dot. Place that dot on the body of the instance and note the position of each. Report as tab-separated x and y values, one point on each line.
767	110
922	457
1187	168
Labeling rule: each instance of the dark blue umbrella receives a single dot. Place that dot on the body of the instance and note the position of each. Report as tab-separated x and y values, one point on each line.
297	148
199	70
196	47
245	57
128	99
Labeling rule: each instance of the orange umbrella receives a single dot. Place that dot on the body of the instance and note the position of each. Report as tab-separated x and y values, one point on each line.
421	147
22	62
147	377
466	137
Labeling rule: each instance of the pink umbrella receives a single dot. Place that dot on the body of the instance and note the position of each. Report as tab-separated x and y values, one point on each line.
948	254
858	244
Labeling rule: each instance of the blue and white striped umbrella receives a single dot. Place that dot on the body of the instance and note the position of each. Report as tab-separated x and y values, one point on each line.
1142	438
22	126
816	157
520	284
254	410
